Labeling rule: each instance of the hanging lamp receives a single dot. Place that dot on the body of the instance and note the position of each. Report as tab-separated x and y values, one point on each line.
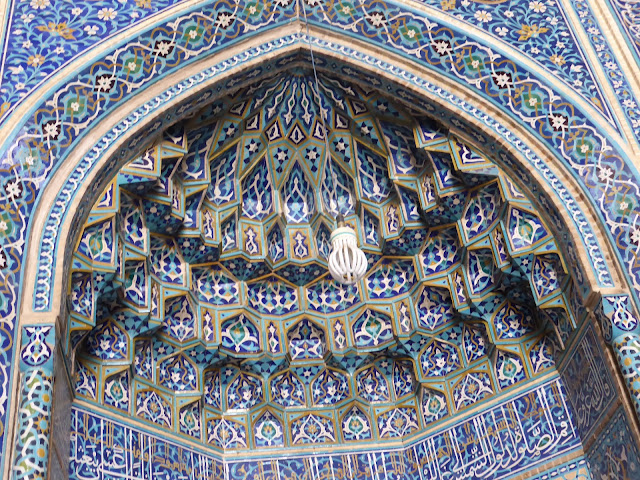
347	262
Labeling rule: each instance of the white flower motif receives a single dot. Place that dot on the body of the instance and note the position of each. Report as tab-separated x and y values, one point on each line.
377	19
509	14
16	70
13	189
76	11
3	226
27	17
502	79
635	235
223	20
537	7
164	48
605	173
91	29
40	4
107	14
59	50
75	106
483	16
502	31
51	129
27	44
558	122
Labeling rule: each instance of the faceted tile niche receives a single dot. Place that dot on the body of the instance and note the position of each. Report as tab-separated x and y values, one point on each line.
200	300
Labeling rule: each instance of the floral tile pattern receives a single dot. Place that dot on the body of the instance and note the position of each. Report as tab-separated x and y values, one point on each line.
45	35
539	28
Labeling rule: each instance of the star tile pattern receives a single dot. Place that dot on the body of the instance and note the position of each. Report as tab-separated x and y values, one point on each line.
199	296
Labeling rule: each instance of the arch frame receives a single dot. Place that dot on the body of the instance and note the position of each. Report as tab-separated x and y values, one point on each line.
82	165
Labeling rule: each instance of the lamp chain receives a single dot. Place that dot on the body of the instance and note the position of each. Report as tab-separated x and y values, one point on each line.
334	178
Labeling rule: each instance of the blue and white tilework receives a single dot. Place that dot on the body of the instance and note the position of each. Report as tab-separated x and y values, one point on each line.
33	423
628	15
615	453
591	390
575	470
491	445
43	141
608	61
621	330
44	36
205	260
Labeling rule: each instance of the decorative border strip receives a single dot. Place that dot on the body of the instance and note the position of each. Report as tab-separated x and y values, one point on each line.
610	65
501	430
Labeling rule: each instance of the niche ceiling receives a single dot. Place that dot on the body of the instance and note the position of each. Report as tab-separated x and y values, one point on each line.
200	299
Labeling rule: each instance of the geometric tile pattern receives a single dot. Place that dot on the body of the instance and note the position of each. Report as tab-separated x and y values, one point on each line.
490	445
199	296
36	395
621	330
615	453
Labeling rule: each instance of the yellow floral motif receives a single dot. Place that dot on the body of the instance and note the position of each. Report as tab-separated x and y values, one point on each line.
143	3
529	31
58	29
35	60
448	4
557	59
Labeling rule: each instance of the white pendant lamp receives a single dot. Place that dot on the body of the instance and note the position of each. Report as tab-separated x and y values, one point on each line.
347	263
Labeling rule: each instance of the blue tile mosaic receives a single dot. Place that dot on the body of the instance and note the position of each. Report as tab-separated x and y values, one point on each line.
42	144
492	445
